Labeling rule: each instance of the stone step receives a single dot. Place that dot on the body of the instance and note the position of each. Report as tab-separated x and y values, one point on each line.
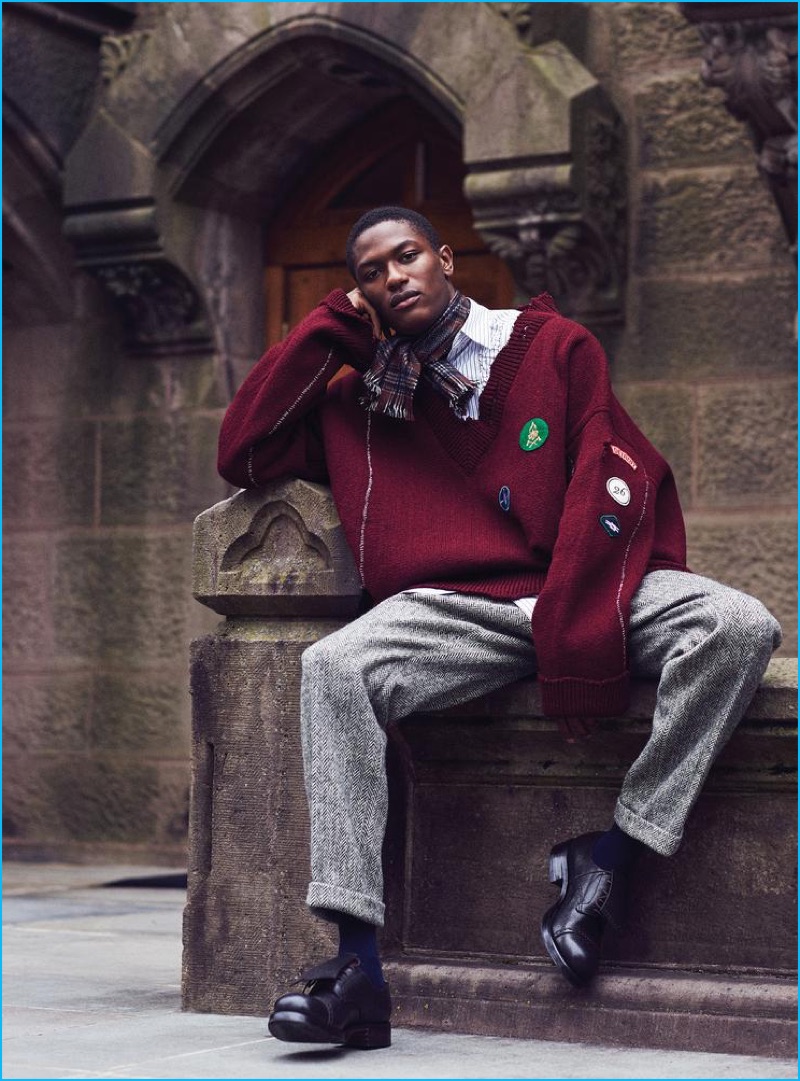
625	1007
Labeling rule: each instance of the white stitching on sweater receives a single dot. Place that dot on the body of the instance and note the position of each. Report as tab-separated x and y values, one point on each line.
624	569
299	397
250	473
367	494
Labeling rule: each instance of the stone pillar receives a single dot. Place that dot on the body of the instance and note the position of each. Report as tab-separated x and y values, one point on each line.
275	563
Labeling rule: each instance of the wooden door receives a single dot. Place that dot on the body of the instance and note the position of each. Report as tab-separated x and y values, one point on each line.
400	156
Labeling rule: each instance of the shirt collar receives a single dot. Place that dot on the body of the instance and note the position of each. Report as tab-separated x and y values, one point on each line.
481	323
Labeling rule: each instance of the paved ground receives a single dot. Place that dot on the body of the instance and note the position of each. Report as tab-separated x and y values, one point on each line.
91	988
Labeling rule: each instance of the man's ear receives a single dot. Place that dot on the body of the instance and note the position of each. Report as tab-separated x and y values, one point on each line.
446	256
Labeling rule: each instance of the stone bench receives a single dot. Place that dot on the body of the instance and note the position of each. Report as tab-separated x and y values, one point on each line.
479	794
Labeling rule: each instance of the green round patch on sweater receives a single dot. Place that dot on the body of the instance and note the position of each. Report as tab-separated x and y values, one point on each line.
534	434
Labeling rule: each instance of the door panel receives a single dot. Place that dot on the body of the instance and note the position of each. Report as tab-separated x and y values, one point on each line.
401	150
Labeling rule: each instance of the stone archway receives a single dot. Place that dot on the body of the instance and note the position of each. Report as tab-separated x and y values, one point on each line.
196	144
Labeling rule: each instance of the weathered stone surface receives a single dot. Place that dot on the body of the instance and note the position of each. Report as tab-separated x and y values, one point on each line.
145	712
184	44
144	462
172	806
69	797
457	878
747	444
50	712
37	261
537	92
684	123
49	473
274	550
28	810
158	468
27	599
716	219
665	413
122	599
61	353
245	919
225	256
696	329
624	1008
129	166
755	552
116	386
70	62
649	36
101	798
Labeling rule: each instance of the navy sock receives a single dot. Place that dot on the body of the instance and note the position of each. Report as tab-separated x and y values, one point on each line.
614	850
357	936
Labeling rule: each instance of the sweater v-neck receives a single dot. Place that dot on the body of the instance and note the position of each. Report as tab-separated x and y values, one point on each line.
468	441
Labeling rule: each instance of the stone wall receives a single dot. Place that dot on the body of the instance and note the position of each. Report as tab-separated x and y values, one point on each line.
107	459
707	363
123	128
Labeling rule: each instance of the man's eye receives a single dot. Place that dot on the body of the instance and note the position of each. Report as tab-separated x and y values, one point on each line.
408	256
369	275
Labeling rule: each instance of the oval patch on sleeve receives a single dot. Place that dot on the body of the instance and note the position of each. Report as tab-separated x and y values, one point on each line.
618	490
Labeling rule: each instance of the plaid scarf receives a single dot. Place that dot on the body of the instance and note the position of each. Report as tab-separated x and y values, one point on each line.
399	362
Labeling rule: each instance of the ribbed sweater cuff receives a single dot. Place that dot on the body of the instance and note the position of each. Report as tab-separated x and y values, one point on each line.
568	697
339	301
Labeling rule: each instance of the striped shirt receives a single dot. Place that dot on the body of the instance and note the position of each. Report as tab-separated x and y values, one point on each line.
483	335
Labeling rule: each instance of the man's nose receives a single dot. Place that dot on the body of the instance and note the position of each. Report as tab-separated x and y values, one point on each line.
395	276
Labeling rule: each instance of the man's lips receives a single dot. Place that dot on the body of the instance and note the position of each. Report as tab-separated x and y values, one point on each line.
400	300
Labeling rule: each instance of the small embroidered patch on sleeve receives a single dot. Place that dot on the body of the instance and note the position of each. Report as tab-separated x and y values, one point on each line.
610	523
625	457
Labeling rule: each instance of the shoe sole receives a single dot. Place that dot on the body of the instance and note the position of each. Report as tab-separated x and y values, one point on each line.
295	1028
559	874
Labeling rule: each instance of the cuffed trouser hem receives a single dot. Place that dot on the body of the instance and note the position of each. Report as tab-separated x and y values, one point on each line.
660	840
360	905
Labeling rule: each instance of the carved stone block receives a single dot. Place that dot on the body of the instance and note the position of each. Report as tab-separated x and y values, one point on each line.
274	551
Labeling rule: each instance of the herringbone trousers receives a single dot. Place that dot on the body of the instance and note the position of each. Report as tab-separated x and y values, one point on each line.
707	644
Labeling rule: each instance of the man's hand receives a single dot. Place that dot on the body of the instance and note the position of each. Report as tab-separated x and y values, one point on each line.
363	307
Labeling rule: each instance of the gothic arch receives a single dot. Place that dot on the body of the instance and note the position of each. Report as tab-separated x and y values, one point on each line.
198	152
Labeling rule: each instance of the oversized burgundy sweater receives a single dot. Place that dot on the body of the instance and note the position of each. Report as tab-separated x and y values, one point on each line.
575	510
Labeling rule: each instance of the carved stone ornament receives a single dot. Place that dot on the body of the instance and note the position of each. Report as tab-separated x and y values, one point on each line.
274	551
160	306
751	55
519	15
117	51
562	229
162	310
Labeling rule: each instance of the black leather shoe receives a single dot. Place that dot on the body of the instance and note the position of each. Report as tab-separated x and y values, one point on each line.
572	930
339	1004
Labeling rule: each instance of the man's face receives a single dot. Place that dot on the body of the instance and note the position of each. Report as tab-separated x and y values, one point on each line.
405	280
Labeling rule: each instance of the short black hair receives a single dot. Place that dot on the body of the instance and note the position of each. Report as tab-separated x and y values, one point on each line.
380	214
